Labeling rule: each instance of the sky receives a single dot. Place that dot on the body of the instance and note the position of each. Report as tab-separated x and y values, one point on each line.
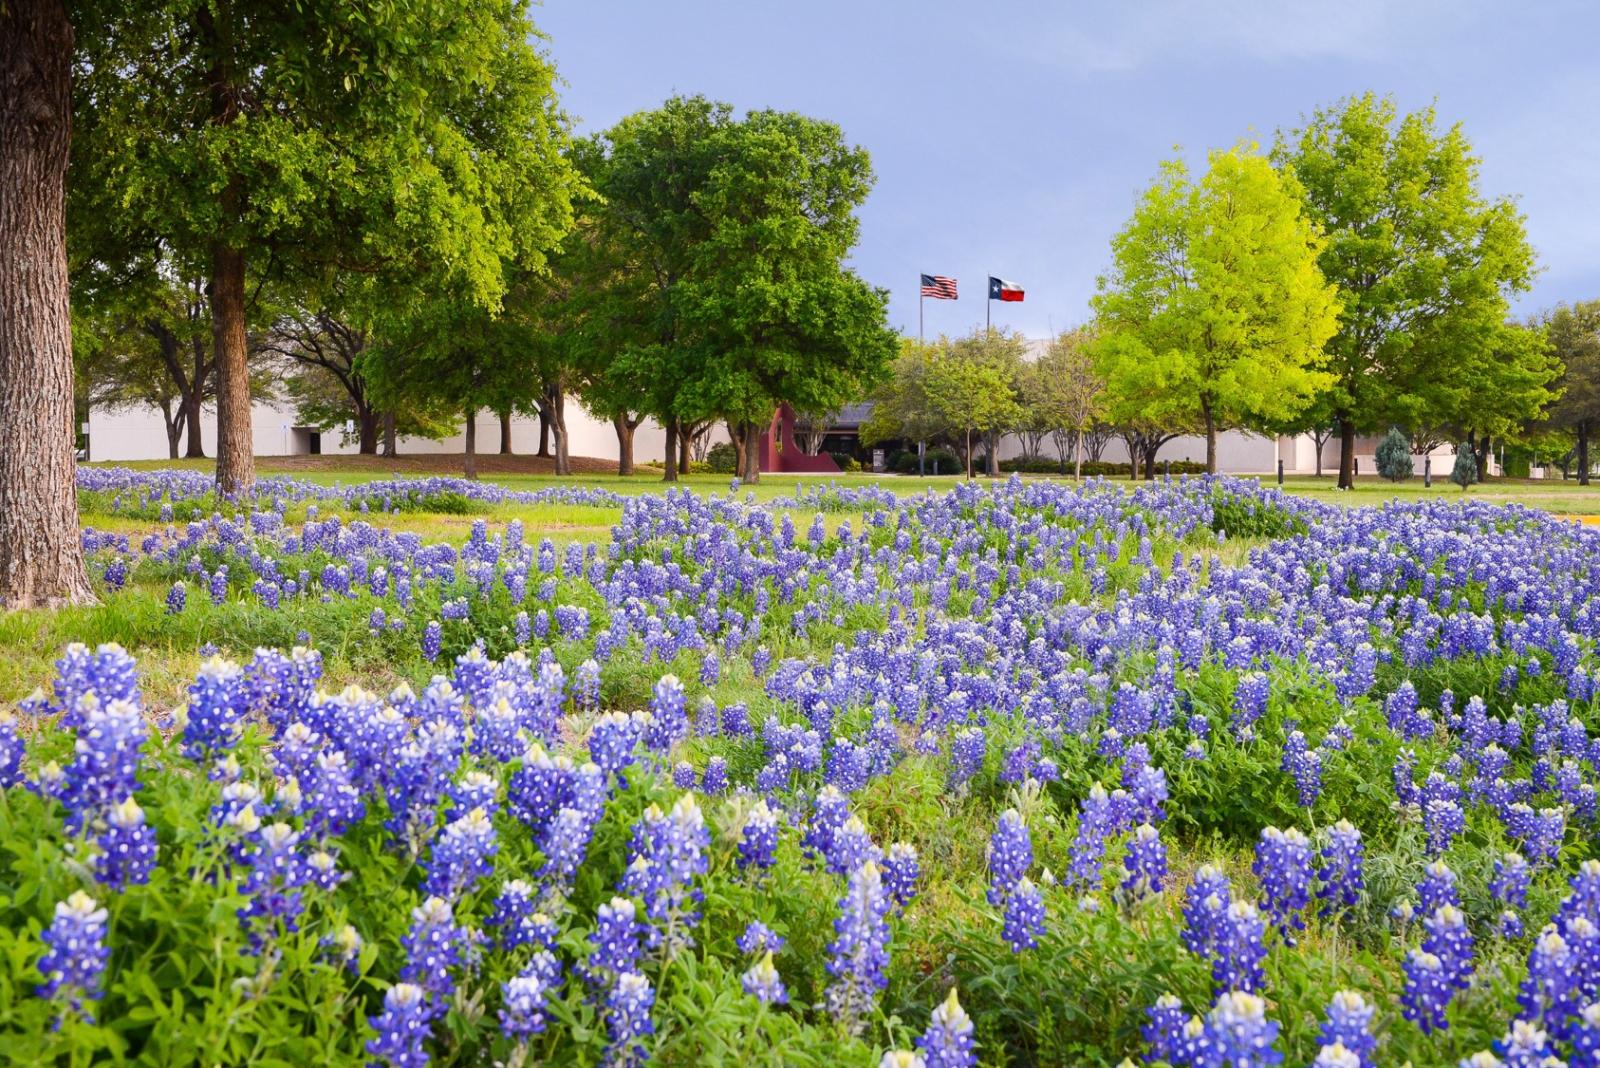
1012	139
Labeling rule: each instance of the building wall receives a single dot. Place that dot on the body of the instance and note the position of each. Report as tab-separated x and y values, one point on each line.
137	434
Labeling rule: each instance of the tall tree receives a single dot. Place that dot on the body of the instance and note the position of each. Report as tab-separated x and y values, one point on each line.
1424	262
1069	393
1214	312
1574	334
330	333
41	558
972	385
283	137
902	404
711	276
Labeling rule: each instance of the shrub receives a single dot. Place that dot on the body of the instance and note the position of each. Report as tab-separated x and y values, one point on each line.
845	461
1465	471
722	459
905	463
1394	456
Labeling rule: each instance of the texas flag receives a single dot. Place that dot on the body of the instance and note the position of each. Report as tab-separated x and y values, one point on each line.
1000	289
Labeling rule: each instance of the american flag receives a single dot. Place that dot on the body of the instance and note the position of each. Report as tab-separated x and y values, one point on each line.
938	287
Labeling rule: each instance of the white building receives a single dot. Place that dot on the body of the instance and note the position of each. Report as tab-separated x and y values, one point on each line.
136	433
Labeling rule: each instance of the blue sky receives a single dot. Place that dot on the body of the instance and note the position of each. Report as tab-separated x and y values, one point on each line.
1011	139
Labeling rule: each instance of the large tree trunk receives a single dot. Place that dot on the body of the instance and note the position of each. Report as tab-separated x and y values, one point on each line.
505	433
195	446
236	462
685	440
544	429
1077	463
1484	450
41	558
173	422
366	430
1347	452
741	442
470	465
671	462
558	425
389	435
750	455
1583	452
992	447
624	428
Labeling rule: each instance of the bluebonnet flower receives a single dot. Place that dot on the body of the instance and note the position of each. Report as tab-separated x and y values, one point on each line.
565	840
668	723
1146	863
403	1027
763	983
127	847
1349	1025
586	685
850	847
435	946
1237	956
105	763
1164	1030
1205	908
217	699
1250	699
526	996
11	751
615	940
948	1041
1010	856
715	779
1239	1033
1427	991
683	776
628	1008
859	954
1283	864
967	750
759	938
758	840
1095	820
432	640
902	869
515	916
1442	820
346	944
1438	887
76	952
177	598
1304	764
462	855
1512	876
1024	916
1339	876
665	855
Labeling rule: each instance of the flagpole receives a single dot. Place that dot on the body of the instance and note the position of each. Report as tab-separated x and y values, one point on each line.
921	340
988	307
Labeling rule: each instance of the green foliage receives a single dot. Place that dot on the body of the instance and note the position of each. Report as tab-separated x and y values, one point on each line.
1394	456
722	458
1465	470
1214	313
1239	516
1424	265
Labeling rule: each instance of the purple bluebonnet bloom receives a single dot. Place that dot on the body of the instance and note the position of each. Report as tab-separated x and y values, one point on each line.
628	1008
759	938
948	1041
1304	764
615	940
763	983
105	763
517	919
1010	856
435	947
11	751
1512	877
1340	879
127	847
462	855
902	870
859	954
1024	916
668	722
432	640
403	1027
1146	863
1283	864
76	952
1438	887
1349	1025
1239	1033
758	840
1095	822
177	598
1205	908
526	996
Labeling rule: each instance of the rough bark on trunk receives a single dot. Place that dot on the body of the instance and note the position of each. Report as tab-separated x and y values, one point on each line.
544	430
1484	450
1583	452
505	433
1077	463
736	435
671	462
470	459
1211	436
1347	452
624	428
558	427
750	456
684	442
366	430
236	464
172	420
41	558
389	435
991	442
194	444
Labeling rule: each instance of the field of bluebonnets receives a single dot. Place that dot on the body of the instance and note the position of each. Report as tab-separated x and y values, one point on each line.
1017	773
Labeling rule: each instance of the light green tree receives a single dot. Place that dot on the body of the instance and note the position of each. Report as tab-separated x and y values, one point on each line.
1424	262
1214	313
972	388
1065	394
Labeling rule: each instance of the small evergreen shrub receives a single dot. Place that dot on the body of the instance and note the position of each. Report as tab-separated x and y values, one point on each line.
1465	471
1394	456
721	459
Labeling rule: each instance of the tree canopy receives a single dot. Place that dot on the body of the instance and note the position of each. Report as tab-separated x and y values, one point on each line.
1214	312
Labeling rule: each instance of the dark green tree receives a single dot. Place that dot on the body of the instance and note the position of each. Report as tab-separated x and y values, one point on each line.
1464	472
1394	456
1574	335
